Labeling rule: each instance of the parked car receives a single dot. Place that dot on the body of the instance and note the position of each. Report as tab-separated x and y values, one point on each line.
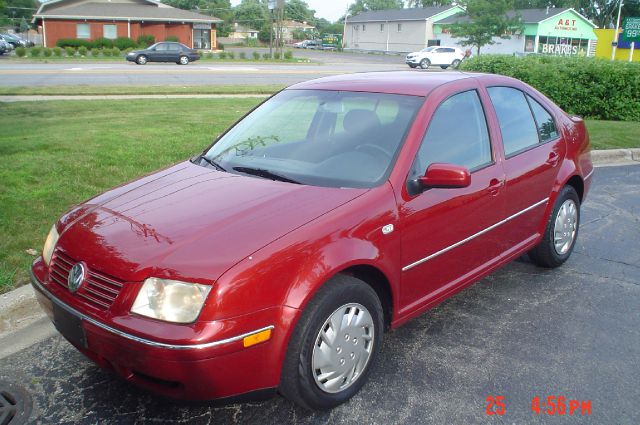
313	44
14	40
164	52
277	259
435	55
9	44
301	44
4	47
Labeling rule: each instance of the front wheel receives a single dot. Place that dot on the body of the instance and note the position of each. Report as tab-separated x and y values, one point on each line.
412	66
141	60
334	344
184	60
561	232
425	63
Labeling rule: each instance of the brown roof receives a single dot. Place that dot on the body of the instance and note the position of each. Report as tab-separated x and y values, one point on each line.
124	11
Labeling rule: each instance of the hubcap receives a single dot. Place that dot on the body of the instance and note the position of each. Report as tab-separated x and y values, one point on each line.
342	348
183	60
566	225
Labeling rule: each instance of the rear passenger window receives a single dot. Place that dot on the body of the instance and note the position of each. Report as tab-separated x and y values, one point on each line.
456	135
517	126
546	126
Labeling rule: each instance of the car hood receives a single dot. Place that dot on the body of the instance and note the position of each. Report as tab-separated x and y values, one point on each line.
189	222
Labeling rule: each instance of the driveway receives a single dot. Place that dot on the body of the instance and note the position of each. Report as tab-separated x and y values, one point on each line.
520	333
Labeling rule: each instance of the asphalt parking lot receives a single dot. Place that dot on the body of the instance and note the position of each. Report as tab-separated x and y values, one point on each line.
520	333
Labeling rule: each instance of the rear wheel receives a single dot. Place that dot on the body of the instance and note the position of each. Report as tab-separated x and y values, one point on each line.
455	63
184	60
425	63
141	60
334	344
561	232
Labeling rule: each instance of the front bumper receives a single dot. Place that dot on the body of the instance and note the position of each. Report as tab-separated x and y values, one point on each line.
217	369
412	61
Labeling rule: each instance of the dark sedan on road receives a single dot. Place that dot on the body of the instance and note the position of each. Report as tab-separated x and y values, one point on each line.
164	52
340	208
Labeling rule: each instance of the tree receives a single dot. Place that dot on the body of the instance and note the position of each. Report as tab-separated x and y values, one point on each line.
428	3
298	10
365	5
252	13
487	19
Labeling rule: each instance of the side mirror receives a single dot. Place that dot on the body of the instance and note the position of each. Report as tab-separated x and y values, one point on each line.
445	176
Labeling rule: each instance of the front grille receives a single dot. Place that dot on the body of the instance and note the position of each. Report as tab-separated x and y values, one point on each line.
98	290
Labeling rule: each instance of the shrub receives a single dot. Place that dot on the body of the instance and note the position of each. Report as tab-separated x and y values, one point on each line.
171	38
276	55
231	55
47	52
82	51
146	40
252	42
266	56
256	56
74	42
70	51
592	88
21	52
95	52
34	52
220	46
242	55
107	52
102	43
222	55
288	54
115	51
57	51
124	43
208	55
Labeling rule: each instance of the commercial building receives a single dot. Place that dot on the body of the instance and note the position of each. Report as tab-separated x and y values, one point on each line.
91	19
552	31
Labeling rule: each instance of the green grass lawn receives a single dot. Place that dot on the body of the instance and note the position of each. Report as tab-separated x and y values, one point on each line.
55	154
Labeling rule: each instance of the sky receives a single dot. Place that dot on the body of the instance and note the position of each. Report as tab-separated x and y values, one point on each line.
330	10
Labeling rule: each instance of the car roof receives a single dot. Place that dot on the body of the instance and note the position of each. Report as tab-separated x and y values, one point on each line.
413	83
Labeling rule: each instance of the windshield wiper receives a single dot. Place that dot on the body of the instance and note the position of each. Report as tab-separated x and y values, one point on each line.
212	162
260	172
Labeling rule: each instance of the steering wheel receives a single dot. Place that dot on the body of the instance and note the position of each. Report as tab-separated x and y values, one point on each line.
375	149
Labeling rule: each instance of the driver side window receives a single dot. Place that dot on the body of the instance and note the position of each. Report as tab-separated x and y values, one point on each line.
457	134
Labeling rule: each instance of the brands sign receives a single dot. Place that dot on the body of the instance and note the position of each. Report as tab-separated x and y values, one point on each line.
559	49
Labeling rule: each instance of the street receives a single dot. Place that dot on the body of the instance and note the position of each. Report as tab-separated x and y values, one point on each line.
520	333
197	73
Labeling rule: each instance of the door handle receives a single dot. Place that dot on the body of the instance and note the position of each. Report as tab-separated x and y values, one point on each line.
494	186
553	159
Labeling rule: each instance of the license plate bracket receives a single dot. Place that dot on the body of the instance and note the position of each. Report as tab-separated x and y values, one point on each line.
70	326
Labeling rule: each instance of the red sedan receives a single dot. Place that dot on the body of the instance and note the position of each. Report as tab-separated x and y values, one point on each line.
338	209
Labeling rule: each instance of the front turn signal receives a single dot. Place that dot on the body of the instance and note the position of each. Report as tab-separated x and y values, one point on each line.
256	338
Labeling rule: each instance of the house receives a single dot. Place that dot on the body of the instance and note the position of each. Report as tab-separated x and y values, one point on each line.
289	27
547	31
395	30
91	19
241	32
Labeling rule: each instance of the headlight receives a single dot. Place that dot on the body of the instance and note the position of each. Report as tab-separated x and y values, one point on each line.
170	300
50	244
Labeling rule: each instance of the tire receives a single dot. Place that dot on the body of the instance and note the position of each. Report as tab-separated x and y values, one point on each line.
184	60
551	253
306	386
425	63
444	66
456	63
142	60
412	66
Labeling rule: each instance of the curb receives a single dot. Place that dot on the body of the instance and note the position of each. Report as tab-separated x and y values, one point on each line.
18	309
610	157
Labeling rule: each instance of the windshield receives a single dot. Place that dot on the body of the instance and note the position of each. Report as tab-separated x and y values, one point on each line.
428	49
319	137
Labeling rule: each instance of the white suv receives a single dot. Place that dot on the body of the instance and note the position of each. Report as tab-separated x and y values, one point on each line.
435	55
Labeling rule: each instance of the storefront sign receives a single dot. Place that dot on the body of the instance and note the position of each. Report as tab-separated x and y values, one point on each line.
566	25
559	49
201	26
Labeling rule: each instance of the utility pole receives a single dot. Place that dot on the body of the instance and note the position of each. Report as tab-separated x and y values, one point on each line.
617	34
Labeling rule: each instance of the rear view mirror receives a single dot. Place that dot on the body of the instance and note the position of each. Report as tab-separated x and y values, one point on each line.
445	176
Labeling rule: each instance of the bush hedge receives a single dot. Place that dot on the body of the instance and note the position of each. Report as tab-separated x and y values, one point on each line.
57	51
82	51
21	52
146	40
171	38
589	87
124	43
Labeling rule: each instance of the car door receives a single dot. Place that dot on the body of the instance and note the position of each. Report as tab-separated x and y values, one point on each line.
159	53
533	152
447	235
173	52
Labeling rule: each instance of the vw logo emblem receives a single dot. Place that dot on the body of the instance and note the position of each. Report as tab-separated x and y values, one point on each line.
76	277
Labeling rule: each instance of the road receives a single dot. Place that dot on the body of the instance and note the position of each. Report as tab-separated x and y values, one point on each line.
14	73
519	333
